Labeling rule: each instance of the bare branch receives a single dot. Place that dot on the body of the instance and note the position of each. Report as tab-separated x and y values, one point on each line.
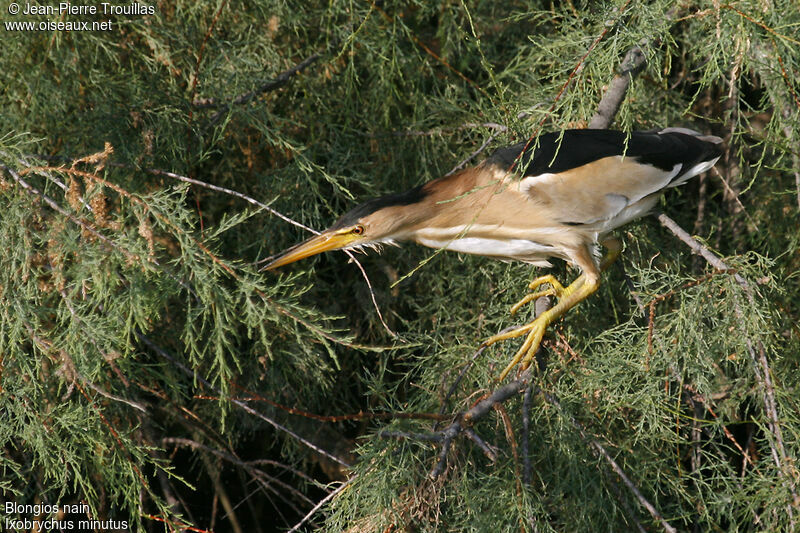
631	65
472	156
224	190
280	215
465	420
489	451
256	473
275	83
697	247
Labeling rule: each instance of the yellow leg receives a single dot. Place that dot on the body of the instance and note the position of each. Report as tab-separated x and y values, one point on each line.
580	289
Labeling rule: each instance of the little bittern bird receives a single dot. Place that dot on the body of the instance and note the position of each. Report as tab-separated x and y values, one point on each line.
557	197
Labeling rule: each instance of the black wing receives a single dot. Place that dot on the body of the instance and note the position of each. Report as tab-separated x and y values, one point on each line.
552	153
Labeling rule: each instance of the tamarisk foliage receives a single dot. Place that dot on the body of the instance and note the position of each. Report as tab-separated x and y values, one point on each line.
149	370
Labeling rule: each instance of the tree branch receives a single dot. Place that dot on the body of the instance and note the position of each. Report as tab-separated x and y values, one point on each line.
465	420
275	83
321	504
758	356
632	64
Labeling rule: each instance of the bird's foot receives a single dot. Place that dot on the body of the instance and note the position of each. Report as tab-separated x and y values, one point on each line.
535	331
568	297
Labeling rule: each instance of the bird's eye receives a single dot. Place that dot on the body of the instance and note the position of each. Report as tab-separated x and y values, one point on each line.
358	230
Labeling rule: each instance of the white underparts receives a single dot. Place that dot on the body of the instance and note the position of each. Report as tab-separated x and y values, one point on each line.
520	249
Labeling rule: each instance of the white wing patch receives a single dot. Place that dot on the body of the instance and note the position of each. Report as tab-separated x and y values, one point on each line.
694	171
525	184
674	172
614	204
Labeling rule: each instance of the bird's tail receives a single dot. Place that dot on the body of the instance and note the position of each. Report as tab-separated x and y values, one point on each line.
707	150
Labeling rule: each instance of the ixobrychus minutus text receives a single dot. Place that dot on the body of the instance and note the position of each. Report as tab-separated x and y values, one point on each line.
558	196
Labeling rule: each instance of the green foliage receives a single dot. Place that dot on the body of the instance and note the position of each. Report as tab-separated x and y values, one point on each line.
148	369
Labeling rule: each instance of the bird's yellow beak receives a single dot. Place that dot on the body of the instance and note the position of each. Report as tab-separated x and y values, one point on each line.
324	242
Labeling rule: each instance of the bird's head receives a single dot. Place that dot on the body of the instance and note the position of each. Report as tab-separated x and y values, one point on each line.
380	221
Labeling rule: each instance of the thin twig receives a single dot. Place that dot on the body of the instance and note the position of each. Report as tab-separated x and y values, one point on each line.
283	217
321	504
497	127
473	155
372	296
254	202
224	190
449	435
697	247
625	506
72	374
256	473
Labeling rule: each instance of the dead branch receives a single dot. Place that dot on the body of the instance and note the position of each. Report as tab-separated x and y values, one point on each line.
633	63
259	475
279	81
464	421
280	215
